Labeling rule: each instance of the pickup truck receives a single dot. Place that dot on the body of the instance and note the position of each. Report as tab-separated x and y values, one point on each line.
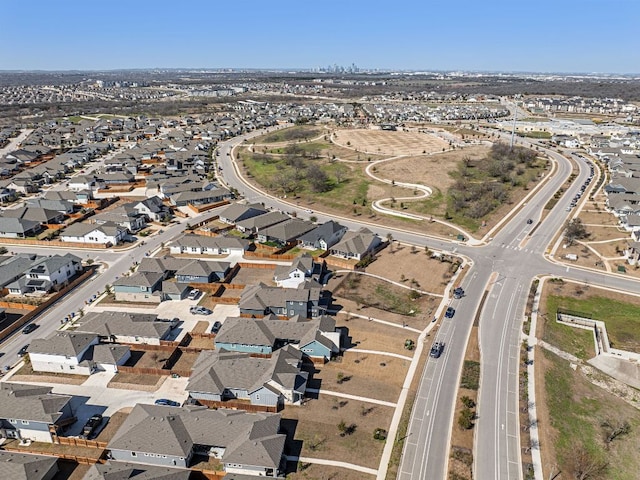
91	425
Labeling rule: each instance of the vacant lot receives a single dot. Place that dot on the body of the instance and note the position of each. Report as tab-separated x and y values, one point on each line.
316	426
147	359
252	276
306	471
112	426
135	381
620	313
578	417
26	374
376	336
293	134
369	375
390	143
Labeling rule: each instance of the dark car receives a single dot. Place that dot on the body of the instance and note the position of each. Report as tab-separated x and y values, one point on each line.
458	292
436	349
529	222
29	328
450	312
167	402
23	351
91	425
216	327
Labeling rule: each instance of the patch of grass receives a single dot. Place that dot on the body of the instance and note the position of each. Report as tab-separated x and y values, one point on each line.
401	435
536	134
470	375
299	132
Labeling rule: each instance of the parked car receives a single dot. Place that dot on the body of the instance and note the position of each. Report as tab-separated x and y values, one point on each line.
216	327
450	312
198	310
92	424
166	402
436	350
29	328
193	294
23	351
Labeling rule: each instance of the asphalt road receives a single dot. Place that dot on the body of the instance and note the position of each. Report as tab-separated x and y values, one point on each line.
504	268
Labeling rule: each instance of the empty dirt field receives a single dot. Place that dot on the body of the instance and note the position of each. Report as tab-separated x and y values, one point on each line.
430	170
306	471
252	276
365	374
316	426
376	336
389	143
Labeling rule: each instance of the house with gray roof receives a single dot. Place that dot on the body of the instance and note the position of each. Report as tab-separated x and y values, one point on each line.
35	214
153	209
221	375
244	443
317	339
125	216
323	237
142	287
202	197
46	274
186	270
357	245
201	245
104	234
64	207
307	300
257	223
18	227
14	267
32	412
236	212
302	268
27	466
285	233
112	470
125	327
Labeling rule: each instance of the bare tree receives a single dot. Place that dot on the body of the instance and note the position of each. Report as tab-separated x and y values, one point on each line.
574	230
586	465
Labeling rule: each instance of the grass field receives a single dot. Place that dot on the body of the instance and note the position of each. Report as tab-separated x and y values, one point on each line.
577	412
296	133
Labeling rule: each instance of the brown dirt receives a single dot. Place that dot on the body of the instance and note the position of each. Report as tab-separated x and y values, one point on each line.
390	143
134	381
206	343
201	326
26	374
252	276
110	429
148	359
317	429
187	360
313	470
366	376
376	336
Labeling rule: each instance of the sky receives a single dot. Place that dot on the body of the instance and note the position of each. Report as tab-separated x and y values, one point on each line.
586	36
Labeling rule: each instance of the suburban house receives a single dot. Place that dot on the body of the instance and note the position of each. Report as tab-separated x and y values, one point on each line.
153	208
124	471
76	197
85	182
201	245
269	382
284	233
186	270
125	216
27	466
244	443
255	224
126	327
202	197
318	338
307	300
142	287
323	237
75	352
18	227
50	273
301	269
64	207
32	412
105	234
356	245
35	214
237	212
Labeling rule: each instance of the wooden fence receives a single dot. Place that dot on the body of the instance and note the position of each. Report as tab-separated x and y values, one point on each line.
257	265
80	442
238	405
209	206
50	243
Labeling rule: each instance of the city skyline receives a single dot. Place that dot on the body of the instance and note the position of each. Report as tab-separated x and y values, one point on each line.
547	37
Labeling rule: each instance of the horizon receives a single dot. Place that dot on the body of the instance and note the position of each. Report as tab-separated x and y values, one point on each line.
573	36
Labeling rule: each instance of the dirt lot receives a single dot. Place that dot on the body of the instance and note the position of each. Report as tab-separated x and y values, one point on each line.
110	429
187	359
26	374
376	336
306	471
432	170
390	143
365	374
316	426
252	276
393	262
135	381
147	359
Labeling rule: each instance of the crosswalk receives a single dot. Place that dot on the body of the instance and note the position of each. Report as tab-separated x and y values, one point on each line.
516	248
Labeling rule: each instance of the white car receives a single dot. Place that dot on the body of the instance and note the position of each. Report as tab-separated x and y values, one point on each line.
193	294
